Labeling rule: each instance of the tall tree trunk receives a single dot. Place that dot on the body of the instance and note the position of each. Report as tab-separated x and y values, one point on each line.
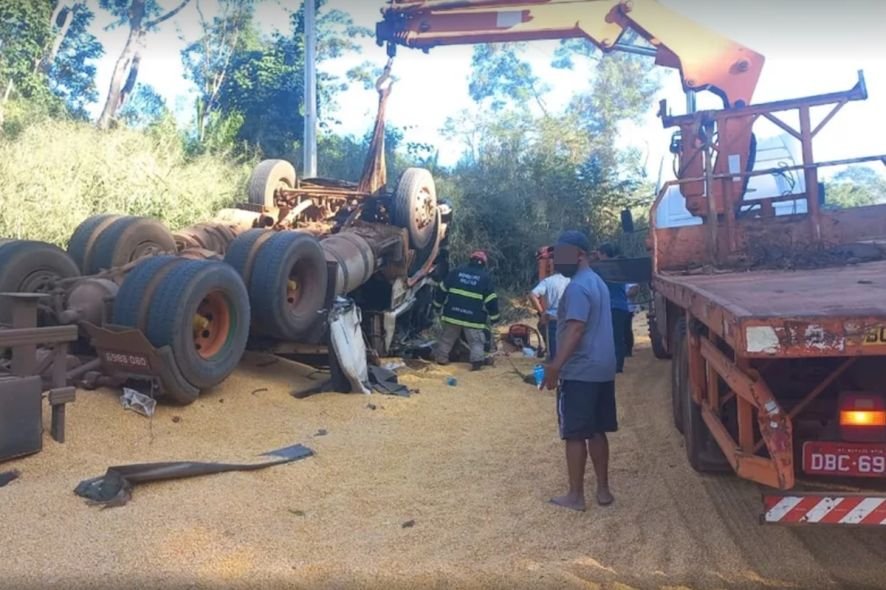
126	69
62	17
119	77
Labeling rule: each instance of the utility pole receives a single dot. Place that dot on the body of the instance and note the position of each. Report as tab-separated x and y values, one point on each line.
310	134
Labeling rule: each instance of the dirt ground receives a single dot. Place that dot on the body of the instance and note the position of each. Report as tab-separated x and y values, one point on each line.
446	489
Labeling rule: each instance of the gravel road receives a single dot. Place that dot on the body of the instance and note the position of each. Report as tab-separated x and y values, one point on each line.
446	489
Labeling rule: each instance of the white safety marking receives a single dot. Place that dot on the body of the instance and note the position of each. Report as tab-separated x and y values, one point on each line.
785	505
762	339
822	509
858	514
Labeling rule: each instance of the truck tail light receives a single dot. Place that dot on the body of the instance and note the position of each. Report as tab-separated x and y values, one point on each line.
862	416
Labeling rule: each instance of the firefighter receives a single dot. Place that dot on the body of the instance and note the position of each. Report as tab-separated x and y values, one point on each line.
468	300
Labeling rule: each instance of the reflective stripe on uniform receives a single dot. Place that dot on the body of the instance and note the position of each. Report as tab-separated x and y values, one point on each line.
467	294
494	318
463	323
492	297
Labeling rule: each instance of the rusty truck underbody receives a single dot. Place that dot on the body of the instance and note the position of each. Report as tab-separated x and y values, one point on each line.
131	300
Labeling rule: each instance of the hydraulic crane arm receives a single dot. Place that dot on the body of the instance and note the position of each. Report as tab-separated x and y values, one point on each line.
705	59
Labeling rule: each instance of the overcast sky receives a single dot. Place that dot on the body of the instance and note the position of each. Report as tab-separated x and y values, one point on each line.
811	46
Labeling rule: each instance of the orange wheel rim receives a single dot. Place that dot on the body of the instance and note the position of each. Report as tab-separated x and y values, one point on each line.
212	325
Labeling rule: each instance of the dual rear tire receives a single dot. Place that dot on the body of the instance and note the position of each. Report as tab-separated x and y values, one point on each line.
702	451
102	242
198	308
286	277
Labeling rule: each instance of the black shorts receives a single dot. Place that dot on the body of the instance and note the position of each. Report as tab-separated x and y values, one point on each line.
585	409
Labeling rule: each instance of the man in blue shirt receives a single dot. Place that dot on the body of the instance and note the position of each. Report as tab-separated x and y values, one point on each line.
583	372
621	310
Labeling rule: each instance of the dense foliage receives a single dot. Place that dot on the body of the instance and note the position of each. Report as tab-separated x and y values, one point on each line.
527	170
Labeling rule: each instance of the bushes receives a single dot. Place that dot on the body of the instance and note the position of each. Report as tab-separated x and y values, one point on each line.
56	173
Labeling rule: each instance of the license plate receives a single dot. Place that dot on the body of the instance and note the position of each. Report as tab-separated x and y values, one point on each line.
875	336
844	459
126	361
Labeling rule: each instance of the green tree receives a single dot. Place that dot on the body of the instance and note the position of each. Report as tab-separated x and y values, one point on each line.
46	52
265	79
144	108
856	186
207	60
70	66
24	33
499	74
142	17
525	177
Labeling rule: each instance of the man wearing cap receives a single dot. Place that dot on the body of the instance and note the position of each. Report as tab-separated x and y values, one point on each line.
469	303
583	371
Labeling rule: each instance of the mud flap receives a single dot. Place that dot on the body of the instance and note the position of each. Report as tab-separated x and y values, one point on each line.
127	354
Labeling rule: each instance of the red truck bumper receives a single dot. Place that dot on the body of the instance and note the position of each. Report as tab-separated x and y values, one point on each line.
824	508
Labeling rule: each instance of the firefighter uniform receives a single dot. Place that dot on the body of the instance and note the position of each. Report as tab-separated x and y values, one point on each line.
468	302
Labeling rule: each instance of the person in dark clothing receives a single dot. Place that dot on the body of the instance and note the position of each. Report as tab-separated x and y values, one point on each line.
621	310
468	302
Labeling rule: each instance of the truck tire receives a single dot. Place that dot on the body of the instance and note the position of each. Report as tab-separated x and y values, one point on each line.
659	350
132	301
241	253
679	372
702	451
414	206
267	177
212	294
29	267
288	285
127	239
84	237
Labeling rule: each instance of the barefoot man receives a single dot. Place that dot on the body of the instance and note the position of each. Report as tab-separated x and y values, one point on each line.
583	372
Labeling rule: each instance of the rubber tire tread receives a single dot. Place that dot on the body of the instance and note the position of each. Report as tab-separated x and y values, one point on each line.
256	189
242	251
679	372
108	244
20	258
80	239
128	302
703	453
411	181
267	285
171	311
658	349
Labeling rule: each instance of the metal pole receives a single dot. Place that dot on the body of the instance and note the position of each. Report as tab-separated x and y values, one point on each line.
310	135
691	105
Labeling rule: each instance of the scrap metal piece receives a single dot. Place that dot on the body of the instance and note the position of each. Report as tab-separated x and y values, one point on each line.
114	488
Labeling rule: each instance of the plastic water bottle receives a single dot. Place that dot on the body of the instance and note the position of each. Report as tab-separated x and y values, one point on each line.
539	373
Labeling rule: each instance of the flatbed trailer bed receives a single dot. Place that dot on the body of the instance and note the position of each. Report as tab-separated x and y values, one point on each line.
836	311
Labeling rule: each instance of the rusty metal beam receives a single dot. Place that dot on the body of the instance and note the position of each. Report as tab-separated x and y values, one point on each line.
782	124
775	425
36	336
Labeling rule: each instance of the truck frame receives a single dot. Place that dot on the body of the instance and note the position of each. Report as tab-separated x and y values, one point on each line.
775	324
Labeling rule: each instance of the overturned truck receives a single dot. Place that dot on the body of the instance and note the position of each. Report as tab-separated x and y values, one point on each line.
129	298
187	304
